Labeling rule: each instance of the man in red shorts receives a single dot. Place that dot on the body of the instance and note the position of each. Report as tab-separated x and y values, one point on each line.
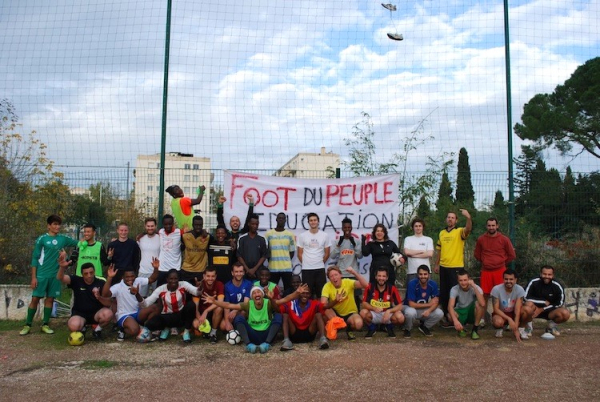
495	252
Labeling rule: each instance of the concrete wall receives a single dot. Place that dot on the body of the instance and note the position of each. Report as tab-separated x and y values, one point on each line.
583	303
14	300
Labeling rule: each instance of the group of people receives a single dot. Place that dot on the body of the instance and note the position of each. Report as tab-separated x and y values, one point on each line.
181	276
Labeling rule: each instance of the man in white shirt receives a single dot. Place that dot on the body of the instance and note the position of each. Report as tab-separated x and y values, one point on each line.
170	248
418	248
313	253
150	248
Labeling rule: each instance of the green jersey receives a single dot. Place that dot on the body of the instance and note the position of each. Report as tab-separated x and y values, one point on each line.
46	251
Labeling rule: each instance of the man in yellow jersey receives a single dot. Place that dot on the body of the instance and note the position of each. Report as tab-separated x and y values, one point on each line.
450	256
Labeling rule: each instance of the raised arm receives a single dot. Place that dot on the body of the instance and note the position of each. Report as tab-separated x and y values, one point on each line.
469	225
198	199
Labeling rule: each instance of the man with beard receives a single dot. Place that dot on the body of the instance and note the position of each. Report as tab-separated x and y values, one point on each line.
508	307
421	302
149	244
302	321
211	312
545	299
495	251
234	222
381	305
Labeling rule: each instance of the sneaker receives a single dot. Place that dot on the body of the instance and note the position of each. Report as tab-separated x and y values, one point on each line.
446	324
389	6
264	347
407	333
174	331
548	336
529	328
84	330
424	330
462	334
251	348
323	343
500	333
187	338
97	335
213	339
474	335
391	333
164	334
46	329
121	336
394	36
286	345
369	334
351	336
553	330
524	334
482	323
115	328
26	329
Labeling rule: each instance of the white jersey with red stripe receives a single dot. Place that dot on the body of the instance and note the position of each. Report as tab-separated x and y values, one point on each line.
172	301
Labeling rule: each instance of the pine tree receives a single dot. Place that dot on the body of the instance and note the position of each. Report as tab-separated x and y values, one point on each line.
445	200
465	195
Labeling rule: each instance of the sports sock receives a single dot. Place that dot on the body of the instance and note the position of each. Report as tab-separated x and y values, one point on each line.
47	314
213	332
30	314
241	329
475	328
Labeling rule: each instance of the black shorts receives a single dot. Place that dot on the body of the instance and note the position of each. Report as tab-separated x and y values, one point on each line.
544	314
302	336
344	317
190	277
88	317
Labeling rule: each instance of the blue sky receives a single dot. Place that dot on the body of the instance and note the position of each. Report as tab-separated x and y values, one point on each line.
252	83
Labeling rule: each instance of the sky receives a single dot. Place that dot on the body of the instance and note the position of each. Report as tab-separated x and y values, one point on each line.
252	83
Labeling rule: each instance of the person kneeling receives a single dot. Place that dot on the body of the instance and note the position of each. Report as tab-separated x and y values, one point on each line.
382	305
338	298
264	319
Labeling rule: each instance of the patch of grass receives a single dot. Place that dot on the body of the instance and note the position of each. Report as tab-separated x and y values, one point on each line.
11	325
99	364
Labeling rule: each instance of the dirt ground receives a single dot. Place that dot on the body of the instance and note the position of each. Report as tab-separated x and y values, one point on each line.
35	368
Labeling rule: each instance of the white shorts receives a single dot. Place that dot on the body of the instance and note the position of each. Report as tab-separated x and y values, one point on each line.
378	318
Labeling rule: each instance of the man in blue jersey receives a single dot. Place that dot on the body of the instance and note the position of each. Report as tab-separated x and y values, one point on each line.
236	291
421	302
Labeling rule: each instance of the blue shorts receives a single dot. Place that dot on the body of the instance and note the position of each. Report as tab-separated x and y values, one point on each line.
132	315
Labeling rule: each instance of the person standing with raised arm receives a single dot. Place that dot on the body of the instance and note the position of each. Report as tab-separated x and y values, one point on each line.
451	257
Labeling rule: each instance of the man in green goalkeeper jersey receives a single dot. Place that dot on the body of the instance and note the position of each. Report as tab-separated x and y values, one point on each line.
44	267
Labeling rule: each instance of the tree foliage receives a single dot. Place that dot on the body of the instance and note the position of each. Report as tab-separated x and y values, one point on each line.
568	116
465	195
412	187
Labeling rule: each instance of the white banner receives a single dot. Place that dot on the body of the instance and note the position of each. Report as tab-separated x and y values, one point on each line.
367	201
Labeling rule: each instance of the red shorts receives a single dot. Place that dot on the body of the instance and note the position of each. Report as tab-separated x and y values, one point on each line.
489	279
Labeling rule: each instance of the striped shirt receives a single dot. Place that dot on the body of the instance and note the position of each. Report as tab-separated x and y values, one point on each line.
172	301
281	244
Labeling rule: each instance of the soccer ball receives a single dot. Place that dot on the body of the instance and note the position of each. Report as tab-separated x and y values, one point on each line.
76	338
395	259
233	337
144	335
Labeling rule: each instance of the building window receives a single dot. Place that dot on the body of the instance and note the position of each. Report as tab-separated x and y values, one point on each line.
187	166
186	190
195	178
150	200
150	177
150	188
196	166
186	178
158	165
